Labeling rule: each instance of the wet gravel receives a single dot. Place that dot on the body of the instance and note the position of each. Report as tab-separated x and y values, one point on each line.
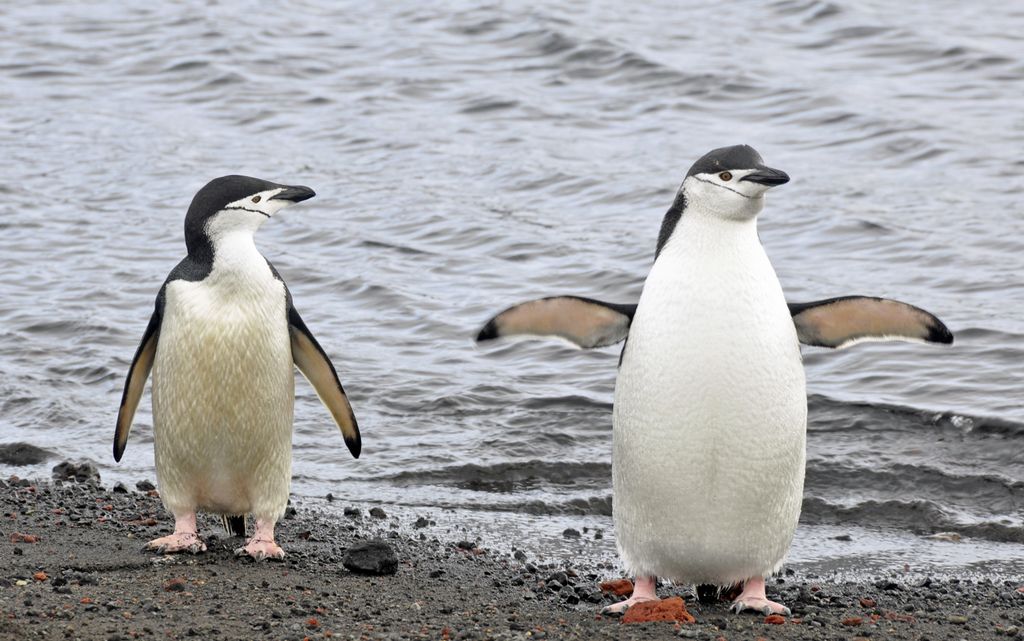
72	567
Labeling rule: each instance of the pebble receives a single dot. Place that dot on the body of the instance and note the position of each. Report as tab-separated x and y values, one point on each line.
80	472
119	488
957	619
421	523
571	533
145	486
378	513
372	557
353	512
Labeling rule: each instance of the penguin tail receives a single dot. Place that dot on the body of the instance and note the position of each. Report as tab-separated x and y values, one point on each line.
235	525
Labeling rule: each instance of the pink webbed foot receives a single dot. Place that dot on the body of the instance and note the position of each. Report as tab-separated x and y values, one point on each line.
643	590
262	546
184	539
753	598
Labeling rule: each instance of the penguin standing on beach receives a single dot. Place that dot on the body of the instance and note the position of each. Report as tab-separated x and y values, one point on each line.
710	413
222	344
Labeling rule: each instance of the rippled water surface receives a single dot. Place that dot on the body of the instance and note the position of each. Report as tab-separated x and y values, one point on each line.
469	157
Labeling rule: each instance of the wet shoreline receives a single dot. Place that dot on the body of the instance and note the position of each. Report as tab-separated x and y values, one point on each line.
83	575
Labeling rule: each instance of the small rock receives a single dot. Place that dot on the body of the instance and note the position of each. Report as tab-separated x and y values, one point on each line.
671	609
378	513
465	545
329	497
558	577
145	486
421	523
867	603
618	587
81	472
120	488
775	619
571	533
290	512
843	537
852	621
373	557
176	584
957	619
22	454
353	512
18	537
519	555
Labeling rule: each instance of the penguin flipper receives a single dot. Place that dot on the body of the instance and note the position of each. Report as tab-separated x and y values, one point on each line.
135	383
586	322
314	364
846	320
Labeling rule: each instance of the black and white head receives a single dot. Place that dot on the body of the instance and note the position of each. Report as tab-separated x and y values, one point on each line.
232	204
730	182
727	183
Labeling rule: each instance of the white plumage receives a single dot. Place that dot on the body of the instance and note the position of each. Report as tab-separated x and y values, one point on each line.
710	412
223	388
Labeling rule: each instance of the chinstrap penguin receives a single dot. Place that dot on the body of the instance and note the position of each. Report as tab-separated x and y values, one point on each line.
710	411
222	345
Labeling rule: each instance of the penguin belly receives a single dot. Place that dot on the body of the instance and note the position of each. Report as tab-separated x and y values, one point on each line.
710	416
223	398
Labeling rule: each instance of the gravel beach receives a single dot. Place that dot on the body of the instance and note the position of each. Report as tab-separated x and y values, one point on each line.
72	567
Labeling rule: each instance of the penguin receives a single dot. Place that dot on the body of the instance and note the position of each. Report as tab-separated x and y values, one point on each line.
710	409
222	344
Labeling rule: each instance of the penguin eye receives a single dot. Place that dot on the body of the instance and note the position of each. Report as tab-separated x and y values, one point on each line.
256	199
726	176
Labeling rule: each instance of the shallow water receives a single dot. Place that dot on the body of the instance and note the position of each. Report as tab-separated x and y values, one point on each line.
467	158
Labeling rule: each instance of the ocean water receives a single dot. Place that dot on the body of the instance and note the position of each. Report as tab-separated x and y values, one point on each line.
468	156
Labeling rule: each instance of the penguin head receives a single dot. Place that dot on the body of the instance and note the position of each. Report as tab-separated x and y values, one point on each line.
730	182
237	203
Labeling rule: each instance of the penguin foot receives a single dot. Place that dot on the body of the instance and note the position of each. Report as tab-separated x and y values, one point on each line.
261	549
177	542
619	609
753	598
764	606
645	589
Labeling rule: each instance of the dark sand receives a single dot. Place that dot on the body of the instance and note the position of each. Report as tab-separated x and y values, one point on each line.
98	584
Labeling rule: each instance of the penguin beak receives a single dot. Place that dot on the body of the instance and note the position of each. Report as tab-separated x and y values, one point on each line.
294	194
767	176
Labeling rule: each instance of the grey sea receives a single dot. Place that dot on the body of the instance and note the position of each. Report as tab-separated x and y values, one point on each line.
468	156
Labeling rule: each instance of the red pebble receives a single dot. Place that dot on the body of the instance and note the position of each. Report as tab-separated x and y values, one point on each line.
852	621
775	619
671	609
618	587
18	537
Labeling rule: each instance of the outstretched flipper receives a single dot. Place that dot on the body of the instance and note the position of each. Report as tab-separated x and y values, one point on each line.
844	321
142	364
586	322
311	360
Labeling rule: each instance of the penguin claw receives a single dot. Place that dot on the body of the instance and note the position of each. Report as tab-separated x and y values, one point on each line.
763	606
261	550
611	611
178	542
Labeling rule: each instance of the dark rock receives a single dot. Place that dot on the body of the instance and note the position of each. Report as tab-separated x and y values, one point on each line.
290	512
465	545
421	523
519	555
353	512
145	486
558	577
330	497
378	513
22	454
373	557
571	533
843	537
81	472
120	488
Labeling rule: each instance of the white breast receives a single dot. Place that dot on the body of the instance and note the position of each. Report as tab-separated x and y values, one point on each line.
710	412
223	389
